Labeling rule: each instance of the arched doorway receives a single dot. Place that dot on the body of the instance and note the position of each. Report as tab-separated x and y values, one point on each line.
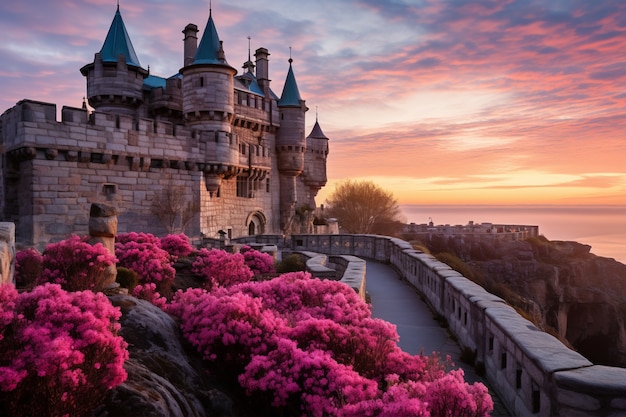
256	222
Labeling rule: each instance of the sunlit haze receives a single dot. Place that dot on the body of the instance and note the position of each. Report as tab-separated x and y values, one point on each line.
440	102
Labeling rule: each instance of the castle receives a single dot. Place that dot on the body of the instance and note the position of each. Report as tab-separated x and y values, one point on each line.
206	151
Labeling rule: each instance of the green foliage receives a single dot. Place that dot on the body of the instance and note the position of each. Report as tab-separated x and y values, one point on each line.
364	207
291	263
418	245
127	278
461	267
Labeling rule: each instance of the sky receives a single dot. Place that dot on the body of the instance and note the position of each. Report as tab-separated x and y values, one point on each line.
438	101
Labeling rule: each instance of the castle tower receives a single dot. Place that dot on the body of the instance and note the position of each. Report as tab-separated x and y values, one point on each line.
314	175
208	103
290	146
115	77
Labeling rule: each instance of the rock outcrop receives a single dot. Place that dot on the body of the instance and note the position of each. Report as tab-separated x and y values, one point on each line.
164	380
561	286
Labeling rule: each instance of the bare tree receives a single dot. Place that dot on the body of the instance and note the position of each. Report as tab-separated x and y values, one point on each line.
173	207
364	207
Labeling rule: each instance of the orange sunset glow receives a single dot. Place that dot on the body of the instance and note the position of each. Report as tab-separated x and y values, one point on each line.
440	102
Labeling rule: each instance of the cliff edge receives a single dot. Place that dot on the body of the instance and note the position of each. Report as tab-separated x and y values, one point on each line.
560	285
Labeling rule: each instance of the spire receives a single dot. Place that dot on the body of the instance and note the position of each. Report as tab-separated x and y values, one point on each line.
210	49
291	94
249	65
316	132
118	42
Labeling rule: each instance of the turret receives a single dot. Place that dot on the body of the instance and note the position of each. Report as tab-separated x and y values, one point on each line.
291	143
208	104
290	146
314	175
115	78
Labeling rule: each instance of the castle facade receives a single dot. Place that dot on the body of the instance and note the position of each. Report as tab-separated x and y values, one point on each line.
206	151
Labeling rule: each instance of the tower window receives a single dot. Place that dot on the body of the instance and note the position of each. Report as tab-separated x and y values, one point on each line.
267	185
201	81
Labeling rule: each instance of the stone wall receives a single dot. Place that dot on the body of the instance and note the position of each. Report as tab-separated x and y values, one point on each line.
533	373
54	170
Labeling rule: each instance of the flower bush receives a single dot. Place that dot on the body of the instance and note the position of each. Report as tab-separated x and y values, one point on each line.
176	245
148	292
76	265
28	267
220	268
260	263
142	253
310	346
224	327
63	346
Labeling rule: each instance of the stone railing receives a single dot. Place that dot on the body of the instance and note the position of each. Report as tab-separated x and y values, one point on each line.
533	373
344	268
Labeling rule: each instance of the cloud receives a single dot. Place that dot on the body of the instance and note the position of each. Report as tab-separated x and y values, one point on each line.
436	92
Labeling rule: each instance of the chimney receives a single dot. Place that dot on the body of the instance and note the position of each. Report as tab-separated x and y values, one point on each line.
262	69
191	43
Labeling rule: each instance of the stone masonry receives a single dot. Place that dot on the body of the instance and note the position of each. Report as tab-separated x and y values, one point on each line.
203	150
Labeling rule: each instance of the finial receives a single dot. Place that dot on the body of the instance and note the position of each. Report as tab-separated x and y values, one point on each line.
290	60
249	47
118	5
84	103
210	7
316	114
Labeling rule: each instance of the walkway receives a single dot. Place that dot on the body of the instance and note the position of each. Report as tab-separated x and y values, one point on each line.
397	302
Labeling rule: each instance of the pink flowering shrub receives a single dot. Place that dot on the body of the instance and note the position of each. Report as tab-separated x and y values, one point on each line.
305	382
76	265
28	267
176	245
149	293
259	262
142	253
146	238
450	395
310	346
224	327
63	346
220	268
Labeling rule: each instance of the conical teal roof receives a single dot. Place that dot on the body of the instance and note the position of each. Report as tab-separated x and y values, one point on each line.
118	42
291	94
208	50
316	132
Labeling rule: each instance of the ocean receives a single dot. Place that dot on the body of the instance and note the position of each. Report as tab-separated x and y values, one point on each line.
601	227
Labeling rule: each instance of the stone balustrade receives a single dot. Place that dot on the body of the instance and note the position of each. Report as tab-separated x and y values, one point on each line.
533	373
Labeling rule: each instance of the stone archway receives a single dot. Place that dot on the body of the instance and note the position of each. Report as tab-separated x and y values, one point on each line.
256	223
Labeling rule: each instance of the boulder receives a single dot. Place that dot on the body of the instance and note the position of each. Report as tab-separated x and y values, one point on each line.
164	379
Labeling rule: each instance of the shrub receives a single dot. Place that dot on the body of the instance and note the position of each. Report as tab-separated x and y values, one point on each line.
149	293
225	328
259	263
291	263
450	395
310	346
76	265
145	238
176	245
142	253
127	278
220	268
63	346
28	267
